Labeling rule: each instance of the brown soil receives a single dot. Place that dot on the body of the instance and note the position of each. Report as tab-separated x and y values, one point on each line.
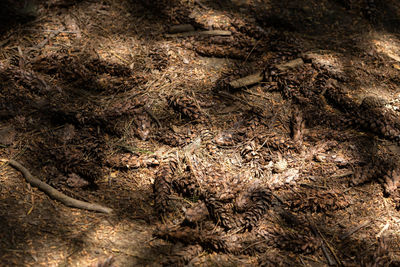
105	102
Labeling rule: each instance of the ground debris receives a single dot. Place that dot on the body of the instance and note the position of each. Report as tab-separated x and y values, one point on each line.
7	136
109	262
237	133
320	201
182	255
128	160
162	186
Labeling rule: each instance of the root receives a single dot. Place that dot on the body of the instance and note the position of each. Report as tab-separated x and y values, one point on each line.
54	193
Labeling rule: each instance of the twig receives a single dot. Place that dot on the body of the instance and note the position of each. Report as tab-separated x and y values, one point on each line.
200	4
314	186
342	175
119	57
304	264
331	261
32	199
251	51
151	114
6	39
330	249
252	245
54	193
279	199
355	229
326	245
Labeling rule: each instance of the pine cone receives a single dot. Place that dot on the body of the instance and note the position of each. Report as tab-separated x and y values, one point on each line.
249	152
186	106
142	121
162	187
182	256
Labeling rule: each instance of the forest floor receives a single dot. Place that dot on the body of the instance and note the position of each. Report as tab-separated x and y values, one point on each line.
110	102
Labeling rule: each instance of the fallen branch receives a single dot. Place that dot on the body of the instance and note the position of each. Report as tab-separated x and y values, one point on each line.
54	193
247	81
259	76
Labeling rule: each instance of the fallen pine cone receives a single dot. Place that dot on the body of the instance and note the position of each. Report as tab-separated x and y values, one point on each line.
185	106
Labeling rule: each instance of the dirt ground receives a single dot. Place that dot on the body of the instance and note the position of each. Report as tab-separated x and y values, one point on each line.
259	133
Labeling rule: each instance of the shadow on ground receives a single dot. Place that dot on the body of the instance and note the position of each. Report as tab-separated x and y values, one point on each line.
75	103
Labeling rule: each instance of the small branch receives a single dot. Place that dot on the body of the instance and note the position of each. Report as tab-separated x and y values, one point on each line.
355	229
279	199
54	193
331	261
342	175
247	81
151	114
326	247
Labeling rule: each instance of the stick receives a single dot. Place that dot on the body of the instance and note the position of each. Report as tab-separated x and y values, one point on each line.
355	229
246	81
326	247
54	193
342	175
151	114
